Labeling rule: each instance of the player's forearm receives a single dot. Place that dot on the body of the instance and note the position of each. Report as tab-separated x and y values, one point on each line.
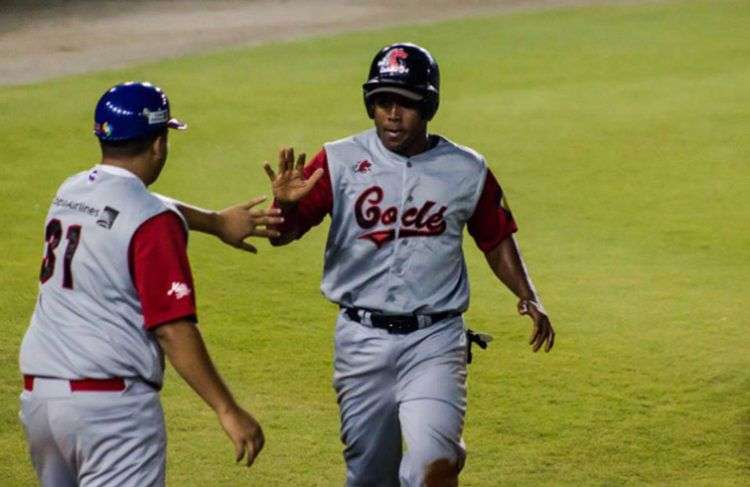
184	347
507	264
288	229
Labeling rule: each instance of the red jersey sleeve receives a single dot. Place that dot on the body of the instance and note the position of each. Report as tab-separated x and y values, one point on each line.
492	222
311	209
161	271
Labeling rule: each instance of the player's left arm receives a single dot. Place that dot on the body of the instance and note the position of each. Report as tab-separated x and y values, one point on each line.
492	225
506	262
234	224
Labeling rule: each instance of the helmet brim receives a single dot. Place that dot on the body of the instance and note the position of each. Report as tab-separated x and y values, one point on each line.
173	123
411	95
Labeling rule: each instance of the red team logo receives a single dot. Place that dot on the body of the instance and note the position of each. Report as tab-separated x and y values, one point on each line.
363	166
415	222
393	63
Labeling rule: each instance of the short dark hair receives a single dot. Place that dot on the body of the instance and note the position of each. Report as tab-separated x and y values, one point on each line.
129	147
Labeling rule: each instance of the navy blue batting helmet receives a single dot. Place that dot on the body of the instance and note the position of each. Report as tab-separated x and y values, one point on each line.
132	110
408	70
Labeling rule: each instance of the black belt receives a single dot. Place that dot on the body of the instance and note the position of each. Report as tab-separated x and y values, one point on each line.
398	324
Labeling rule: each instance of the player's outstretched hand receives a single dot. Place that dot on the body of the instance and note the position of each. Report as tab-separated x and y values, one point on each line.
542	333
290	185
245	433
239	222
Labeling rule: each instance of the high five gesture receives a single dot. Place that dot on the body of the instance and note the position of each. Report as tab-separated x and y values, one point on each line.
289	185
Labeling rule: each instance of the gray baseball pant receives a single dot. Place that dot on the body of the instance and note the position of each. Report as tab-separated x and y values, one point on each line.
396	390
93	439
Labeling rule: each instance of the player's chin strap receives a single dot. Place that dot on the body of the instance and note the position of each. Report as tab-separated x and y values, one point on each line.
481	339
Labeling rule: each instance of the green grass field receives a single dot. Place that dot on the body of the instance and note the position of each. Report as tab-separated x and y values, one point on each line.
622	138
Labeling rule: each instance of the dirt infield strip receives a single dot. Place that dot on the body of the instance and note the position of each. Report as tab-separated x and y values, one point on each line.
47	39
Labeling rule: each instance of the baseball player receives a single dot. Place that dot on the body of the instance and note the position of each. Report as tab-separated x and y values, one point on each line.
399	200
116	294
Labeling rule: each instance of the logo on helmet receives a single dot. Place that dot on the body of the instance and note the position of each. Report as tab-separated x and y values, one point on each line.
157	116
393	62
103	128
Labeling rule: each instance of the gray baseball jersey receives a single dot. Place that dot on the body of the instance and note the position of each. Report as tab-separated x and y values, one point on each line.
88	321
395	238
114	266
394	245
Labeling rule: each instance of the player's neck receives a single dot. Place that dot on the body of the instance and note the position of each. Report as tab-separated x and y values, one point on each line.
421	143
136	165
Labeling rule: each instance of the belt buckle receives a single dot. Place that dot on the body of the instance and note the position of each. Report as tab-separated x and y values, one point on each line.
399	325
424	321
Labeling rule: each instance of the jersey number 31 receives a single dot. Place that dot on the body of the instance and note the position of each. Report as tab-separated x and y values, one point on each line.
53	235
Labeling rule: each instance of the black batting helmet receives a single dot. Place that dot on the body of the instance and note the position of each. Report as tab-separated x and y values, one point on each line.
408	70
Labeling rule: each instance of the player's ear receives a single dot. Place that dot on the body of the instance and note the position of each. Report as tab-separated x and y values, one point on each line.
159	144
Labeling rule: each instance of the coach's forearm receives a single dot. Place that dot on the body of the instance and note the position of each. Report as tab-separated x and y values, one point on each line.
507	264
199	219
184	347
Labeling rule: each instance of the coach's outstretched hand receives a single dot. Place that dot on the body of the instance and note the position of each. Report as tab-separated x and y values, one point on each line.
289	185
239	222
233	224
245	433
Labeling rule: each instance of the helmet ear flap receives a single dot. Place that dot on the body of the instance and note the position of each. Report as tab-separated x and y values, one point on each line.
370	107
425	109
428	108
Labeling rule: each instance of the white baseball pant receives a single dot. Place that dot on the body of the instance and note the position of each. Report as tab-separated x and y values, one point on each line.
93	439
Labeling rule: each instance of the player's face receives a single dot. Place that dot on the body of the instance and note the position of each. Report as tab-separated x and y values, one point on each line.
399	124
